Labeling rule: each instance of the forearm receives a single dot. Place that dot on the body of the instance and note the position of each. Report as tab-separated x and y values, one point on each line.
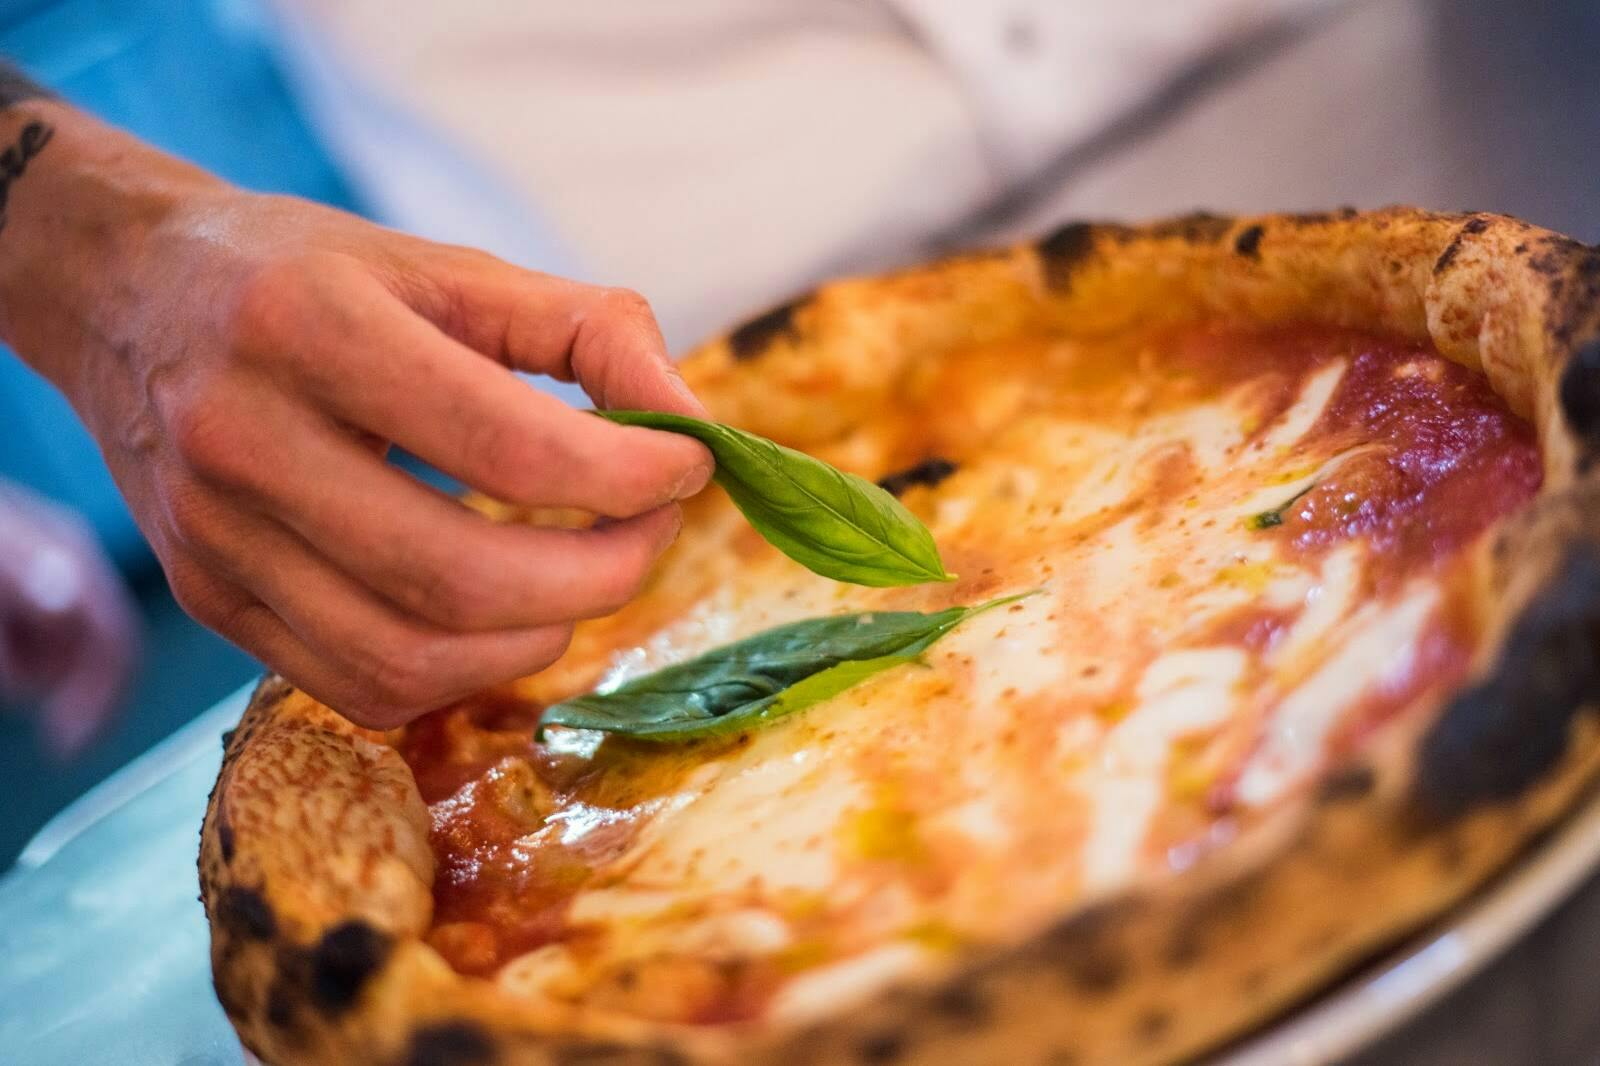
77	200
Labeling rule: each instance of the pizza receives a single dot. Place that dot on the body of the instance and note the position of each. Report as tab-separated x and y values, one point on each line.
1306	506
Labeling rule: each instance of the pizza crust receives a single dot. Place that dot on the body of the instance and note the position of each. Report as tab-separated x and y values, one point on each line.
315	865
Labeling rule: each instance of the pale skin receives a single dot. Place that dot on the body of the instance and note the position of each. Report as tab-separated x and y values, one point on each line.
244	362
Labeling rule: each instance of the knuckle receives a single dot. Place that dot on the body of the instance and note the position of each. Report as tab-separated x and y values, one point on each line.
622	581
457	596
206	436
277	301
200	597
626	304
401	675
376	714
550	644
603	476
192	518
267	299
637	488
611	598
527	466
496	454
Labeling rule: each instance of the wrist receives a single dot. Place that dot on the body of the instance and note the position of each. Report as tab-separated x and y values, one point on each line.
81	203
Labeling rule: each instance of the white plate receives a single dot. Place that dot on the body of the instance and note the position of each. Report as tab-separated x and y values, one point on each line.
1406	982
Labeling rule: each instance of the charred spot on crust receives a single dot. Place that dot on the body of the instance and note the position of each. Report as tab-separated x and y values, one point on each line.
1248	242
343	960
1214	915
1471	228
603	1054
756	336
1301	219
1254	982
961	1002
1448	256
1498	737
881	1049
1187	945
232	993
451	1044
1322	938
1320	218
225	839
245	913
233	742
1085	947
1220	906
1571	306
929	472
1348	783
1580	393
592	1054
1552	255
237	739
1062	250
1153	1025
1452	854
282	1004
1197	227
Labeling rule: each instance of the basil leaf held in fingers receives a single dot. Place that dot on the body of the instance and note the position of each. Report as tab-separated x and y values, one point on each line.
833	523
762	678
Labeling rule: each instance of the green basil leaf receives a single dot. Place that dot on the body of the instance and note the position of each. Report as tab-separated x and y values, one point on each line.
762	678
833	523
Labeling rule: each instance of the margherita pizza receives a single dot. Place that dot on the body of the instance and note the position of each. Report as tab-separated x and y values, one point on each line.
1306	508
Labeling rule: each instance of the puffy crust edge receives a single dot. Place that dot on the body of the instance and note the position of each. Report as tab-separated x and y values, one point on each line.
314	863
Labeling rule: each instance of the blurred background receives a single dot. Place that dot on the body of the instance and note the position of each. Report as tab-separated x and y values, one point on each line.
719	155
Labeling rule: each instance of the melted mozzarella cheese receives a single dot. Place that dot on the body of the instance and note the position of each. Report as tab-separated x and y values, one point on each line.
1377	650
1014	655
1181	693
1308	406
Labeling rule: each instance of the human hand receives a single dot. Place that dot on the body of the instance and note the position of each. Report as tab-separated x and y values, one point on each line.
68	636
245	361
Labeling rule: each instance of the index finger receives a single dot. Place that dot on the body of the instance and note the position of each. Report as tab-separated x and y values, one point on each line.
384	369
605	339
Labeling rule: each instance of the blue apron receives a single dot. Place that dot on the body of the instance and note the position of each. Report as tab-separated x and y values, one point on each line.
198	78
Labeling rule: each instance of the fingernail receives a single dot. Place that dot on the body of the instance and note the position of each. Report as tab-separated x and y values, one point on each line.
691	482
681	387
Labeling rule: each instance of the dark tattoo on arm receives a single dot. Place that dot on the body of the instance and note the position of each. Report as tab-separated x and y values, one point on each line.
15	87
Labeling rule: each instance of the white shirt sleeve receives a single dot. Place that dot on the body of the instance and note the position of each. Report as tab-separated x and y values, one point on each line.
1043	75
719	155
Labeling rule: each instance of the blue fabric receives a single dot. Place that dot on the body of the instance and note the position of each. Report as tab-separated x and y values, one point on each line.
198	78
